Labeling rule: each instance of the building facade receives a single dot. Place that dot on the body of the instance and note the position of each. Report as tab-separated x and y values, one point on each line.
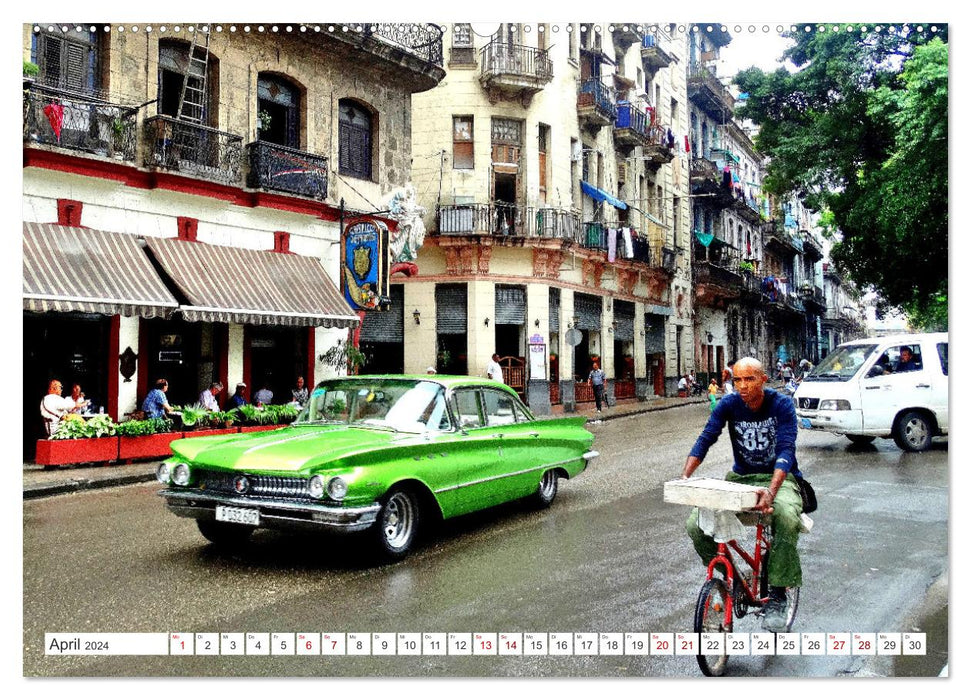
184	193
556	204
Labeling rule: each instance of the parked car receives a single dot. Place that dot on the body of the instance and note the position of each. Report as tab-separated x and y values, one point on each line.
384	454
895	386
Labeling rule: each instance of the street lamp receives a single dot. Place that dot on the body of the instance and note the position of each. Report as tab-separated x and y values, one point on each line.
416	314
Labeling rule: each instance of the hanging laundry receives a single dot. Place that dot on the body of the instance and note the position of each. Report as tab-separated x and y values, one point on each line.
727	178
611	244
628	243
55	115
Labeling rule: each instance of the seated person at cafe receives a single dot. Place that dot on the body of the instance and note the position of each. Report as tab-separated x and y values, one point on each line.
264	396
208	400
156	405
239	398
77	396
54	407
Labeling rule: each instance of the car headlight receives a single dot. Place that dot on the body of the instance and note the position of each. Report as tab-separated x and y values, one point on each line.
316	486
834	405
180	474
164	472
337	488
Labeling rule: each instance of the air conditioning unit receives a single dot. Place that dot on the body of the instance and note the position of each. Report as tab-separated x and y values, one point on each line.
577	155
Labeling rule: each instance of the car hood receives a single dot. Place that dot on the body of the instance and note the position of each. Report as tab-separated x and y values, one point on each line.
286	450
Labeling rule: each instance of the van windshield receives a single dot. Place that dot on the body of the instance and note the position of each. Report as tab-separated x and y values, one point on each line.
841	364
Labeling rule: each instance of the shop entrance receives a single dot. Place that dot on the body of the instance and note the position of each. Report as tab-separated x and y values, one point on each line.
73	348
278	355
173	352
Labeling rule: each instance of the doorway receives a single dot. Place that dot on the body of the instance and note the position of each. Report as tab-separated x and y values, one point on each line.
277	356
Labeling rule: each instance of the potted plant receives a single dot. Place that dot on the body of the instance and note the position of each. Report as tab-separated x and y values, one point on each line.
345	356
78	441
31	70
263	120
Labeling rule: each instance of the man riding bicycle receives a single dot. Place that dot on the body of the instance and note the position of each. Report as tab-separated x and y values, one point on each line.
762	427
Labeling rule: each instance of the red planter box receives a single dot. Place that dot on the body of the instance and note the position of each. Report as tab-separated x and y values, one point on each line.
258	428
54	452
213	431
146	446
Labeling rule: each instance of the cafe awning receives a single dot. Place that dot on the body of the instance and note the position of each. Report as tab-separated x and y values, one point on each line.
73	269
224	284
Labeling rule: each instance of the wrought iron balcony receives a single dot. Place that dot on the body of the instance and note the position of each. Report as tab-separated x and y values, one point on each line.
626	34
510	220
632	126
723	274
193	149
660	146
512	68
596	104
707	92
653	56
274	167
812	245
422	40
78	121
777	236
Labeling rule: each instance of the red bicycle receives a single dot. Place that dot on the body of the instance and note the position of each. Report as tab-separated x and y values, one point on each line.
722	600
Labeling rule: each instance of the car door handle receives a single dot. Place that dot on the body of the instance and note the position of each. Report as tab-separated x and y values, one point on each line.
923	386
872	387
536	435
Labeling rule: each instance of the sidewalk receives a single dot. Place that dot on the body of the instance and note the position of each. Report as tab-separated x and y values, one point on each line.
40	482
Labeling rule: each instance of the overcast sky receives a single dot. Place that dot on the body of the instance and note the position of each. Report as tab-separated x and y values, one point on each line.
752	48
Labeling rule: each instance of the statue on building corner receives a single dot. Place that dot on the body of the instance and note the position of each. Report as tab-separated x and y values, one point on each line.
410	234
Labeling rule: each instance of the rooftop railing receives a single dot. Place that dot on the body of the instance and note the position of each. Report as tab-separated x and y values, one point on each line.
423	40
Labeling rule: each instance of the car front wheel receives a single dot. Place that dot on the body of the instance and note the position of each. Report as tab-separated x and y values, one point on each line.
397	524
913	432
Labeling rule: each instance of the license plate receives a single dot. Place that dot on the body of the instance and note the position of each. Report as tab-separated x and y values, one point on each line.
804	422
245	516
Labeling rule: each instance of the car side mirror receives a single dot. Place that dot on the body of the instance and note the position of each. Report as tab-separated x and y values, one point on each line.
876	371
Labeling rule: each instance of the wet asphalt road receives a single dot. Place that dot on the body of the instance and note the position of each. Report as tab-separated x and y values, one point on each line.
609	556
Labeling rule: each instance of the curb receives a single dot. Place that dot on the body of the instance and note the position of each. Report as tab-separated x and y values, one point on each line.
73	485
646	409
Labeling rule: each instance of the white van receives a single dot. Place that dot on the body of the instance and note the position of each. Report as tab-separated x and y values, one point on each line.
894	386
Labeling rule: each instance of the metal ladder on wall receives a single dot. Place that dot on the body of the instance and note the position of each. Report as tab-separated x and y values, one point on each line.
192	106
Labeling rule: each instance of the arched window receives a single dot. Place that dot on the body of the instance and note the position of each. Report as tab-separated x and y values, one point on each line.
278	111
354	140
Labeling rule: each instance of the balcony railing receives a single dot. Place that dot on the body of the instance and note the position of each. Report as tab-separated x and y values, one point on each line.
508	220
423	40
724	274
193	149
275	167
79	121
596	236
596	102
705	88
629	117
526	62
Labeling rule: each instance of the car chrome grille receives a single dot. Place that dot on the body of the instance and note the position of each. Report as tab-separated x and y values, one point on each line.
809	404
260	486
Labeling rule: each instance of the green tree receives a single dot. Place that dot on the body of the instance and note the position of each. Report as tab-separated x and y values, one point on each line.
859	131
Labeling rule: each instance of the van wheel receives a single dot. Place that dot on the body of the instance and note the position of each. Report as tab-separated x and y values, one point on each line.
912	432
861	439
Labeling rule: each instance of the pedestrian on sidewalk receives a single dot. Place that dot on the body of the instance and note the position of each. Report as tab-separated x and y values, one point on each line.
598	380
712	393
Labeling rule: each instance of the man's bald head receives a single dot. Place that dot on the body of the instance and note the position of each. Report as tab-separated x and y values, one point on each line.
749	362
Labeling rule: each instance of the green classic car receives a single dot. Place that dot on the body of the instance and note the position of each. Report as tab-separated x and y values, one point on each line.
378	453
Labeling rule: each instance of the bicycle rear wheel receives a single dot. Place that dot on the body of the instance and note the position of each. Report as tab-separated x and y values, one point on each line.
710	617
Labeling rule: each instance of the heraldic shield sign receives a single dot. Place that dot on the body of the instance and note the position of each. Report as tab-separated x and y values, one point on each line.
365	263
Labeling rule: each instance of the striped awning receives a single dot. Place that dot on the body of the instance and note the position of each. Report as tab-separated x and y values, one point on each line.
75	269
234	285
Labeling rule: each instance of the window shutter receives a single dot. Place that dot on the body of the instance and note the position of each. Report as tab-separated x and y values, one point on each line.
51	68
624	317
511	305
75	72
450	309
386	326
588	310
554	310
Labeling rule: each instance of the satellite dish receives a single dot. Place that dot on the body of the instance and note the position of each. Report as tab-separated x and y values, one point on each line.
574	337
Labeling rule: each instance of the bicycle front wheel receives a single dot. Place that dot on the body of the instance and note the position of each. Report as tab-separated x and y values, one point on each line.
710	616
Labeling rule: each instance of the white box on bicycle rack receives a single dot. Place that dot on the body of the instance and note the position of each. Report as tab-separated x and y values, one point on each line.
716	494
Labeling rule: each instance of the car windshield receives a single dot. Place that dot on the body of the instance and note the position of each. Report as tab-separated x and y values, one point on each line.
410	406
842	364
